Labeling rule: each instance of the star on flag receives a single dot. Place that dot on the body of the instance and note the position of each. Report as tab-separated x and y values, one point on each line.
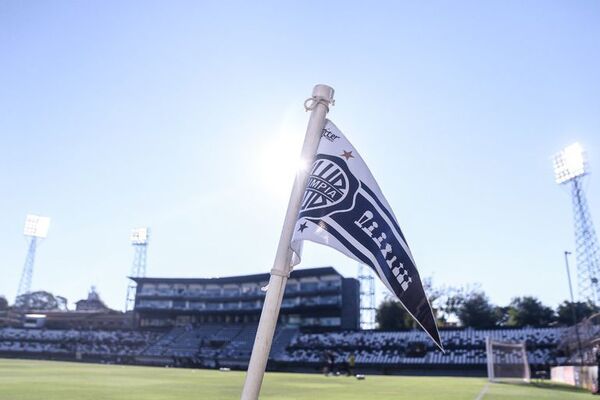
303	226
347	154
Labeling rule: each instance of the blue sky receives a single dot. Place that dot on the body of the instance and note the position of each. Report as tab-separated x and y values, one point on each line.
177	115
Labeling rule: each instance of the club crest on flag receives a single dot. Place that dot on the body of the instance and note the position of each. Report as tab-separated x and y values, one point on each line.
331	187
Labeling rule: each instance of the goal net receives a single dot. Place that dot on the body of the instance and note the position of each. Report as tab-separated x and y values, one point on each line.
507	361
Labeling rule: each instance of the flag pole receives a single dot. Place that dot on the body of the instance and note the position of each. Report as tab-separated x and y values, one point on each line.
318	104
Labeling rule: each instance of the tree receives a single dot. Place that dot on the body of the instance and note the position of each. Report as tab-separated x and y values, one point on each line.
3	303
529	311
564	312
437	297
62	303
476	311
433	294
502	315
447	300
391	316
41	300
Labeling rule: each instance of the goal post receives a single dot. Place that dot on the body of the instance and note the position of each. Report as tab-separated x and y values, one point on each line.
506	361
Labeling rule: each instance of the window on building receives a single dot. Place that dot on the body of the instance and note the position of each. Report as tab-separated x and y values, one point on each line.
249	305
195	289
250	288
179	304
231	305
330	321
289	302
331	283
154	303
292	286
330	300
309	321
231	291
197	305
212	291
310	301
148	288
309	286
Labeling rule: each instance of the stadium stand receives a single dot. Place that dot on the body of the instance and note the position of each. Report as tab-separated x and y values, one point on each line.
396	351
119	346
230	345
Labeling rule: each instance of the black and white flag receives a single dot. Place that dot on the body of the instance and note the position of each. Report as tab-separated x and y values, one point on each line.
344	208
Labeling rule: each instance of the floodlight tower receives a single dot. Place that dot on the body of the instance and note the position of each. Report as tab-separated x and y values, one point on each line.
367	297
36	229
139	240
570	167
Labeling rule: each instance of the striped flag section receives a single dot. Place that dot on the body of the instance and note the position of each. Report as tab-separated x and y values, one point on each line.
343	207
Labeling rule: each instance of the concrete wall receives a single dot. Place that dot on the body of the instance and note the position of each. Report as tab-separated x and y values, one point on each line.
585	377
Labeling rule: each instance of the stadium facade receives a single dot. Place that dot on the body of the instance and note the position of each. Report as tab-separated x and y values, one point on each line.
315	298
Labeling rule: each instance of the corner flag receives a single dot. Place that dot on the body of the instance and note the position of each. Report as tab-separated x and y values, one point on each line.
344	208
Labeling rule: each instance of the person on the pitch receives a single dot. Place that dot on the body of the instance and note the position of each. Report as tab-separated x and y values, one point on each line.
351	363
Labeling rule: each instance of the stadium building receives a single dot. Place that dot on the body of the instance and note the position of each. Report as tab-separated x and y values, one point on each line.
315	298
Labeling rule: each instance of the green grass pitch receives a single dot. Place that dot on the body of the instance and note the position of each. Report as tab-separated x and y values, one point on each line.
47	380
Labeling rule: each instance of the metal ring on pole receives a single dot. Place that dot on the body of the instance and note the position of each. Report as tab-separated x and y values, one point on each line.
279	273
317	100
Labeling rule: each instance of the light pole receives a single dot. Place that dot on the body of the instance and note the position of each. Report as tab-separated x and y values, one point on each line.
570	168
573	308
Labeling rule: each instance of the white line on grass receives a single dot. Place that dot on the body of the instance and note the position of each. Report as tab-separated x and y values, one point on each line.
483	391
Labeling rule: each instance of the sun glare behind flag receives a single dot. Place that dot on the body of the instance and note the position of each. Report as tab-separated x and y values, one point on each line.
343	207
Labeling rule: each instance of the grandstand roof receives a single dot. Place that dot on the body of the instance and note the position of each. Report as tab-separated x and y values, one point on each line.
299	273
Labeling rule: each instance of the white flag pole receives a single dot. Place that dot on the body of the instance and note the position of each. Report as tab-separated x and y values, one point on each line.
319	106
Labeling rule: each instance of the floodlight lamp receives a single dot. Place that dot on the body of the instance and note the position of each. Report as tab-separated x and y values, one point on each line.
36	226
139	236
570	163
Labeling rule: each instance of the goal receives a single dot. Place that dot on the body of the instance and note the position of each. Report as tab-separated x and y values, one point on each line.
507	361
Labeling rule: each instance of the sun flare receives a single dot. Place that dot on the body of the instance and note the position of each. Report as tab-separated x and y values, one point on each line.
279	162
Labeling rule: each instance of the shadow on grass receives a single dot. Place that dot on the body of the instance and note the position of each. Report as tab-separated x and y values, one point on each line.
548	385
